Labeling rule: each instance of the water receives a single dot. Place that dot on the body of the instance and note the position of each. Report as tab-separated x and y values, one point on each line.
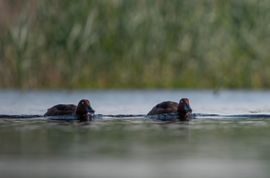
136	147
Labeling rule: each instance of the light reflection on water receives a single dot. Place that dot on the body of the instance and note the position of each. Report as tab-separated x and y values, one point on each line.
137	101
136	168
134	147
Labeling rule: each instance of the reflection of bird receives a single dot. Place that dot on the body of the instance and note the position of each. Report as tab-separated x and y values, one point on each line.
182	108
83	111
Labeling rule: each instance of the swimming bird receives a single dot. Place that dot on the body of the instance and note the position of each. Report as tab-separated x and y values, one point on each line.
83	110
182	108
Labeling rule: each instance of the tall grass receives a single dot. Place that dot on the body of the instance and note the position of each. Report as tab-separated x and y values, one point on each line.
136	43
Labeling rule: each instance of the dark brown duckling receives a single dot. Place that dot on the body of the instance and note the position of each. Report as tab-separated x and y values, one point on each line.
83	111
182	108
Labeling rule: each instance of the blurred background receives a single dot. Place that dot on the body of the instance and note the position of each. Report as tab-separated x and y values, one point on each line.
53	44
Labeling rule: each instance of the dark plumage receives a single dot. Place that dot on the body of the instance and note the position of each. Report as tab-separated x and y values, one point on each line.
164	107
83	111
182	108
61	109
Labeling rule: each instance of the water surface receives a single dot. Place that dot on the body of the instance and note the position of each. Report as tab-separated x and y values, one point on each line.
135	147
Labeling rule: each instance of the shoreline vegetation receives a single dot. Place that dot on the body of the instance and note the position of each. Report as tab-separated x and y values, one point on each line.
95	44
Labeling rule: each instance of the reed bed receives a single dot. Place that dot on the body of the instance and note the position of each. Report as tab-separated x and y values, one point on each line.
52	44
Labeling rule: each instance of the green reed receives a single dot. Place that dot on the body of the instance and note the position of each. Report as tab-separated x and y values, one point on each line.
136	44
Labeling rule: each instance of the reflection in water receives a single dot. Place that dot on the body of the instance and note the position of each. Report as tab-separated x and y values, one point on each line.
135	148
136	101
211	146
192	168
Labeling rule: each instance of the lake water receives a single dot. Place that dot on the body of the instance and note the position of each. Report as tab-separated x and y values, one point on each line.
136	147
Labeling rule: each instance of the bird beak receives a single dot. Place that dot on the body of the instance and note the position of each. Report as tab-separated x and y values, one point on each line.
90	110
187	108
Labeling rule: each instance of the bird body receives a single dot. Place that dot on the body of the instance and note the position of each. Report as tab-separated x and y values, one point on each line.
182	108
83	110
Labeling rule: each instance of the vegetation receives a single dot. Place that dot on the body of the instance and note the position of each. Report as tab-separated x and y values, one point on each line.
135	44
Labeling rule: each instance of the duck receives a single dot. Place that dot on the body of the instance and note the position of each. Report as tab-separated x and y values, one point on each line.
182	108
83	110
